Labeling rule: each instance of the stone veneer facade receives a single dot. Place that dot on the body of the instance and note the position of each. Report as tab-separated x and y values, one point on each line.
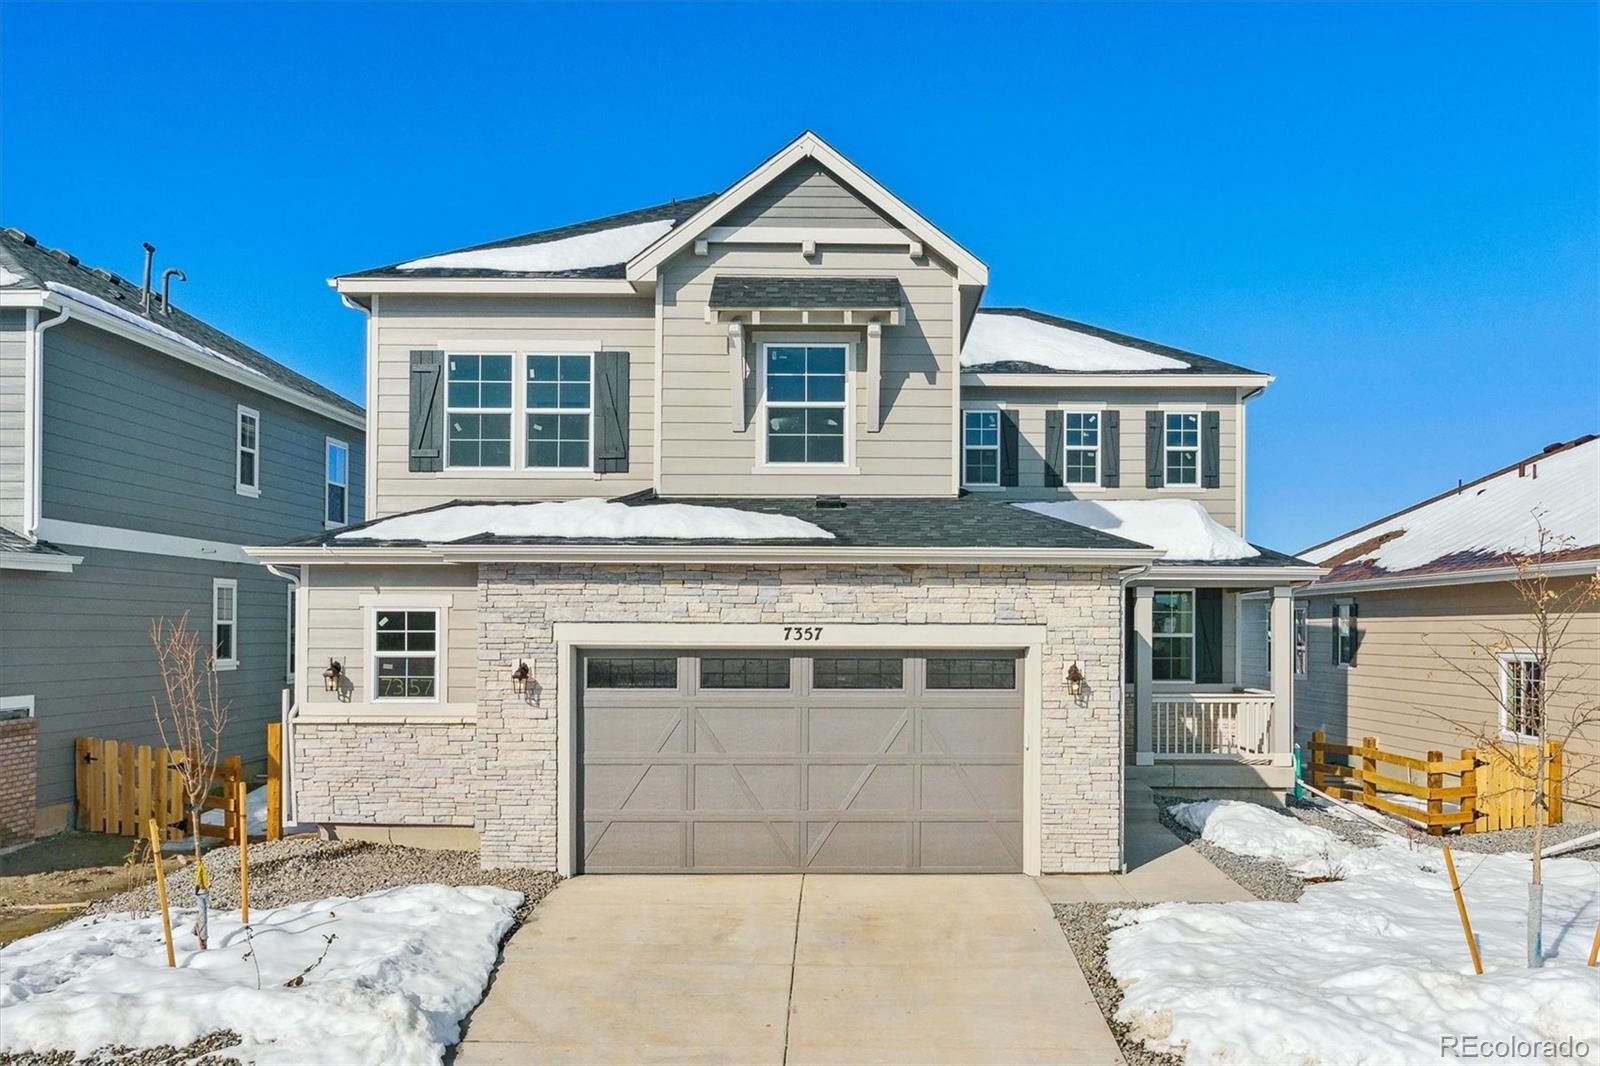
499	774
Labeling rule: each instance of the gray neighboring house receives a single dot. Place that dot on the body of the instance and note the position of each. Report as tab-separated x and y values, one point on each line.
732	534
139	449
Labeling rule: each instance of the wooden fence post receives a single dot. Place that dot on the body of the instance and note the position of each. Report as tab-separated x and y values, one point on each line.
1469	785
1435	803
1318	779
1369	770
1553	784
274	781
232	777
82	754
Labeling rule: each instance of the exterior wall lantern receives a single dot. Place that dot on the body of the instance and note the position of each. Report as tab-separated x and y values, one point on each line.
1074	681
519	678
332	675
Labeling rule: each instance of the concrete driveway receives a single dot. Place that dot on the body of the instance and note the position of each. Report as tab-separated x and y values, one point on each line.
790	969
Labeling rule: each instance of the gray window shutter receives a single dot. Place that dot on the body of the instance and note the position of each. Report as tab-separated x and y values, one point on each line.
611	412
1333	633
427	411
1210	449
1111	449
1355	635
1154	471
1008	447
1054	455
1208	636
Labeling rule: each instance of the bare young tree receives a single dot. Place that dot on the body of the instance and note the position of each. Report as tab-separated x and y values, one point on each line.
190	718
1539	670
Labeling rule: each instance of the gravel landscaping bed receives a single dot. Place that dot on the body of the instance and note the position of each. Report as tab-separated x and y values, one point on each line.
1085	927
1262	878
202	1052
307	867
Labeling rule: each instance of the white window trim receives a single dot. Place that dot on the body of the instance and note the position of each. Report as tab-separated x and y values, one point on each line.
519	432
1199	448
1504	659
252	490
217	584
1079	487
1301	620
999	457
509	411
328	482
816	341
24	704
439	605
1333	632
1193	635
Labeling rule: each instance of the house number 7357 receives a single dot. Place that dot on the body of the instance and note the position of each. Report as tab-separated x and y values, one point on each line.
802	632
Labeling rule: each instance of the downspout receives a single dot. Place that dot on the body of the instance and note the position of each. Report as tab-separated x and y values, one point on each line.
291	705
1125	578
33	436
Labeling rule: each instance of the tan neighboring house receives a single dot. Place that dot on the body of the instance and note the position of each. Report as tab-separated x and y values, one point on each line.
1402	638
732	534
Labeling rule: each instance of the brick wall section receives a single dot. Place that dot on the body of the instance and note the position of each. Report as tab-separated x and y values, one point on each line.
384	773
19	769
519	603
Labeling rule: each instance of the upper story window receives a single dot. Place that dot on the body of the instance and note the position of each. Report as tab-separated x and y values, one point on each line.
478	407
980	443
336	476
1081	431
1344	634
247	448
1182	448
560	404
225	623
806	402
405	654
1521	695
1172	638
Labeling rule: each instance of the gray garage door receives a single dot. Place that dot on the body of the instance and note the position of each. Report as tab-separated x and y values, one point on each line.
763	761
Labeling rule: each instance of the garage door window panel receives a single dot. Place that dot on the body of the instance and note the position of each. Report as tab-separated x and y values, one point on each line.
855	672
995	674
656	672
746	673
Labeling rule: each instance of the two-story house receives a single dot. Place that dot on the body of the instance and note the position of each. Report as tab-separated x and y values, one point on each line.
140	448
730	534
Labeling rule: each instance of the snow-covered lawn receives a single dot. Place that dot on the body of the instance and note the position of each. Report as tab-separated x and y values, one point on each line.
1370	968
404	967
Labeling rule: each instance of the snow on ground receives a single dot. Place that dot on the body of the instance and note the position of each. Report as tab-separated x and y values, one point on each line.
1493	518
1182	528
406	966
605	247
589	519
1372	968
995	338
133	318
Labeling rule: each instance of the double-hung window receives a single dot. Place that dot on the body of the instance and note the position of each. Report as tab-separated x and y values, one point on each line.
1521	695
224	623
980	442
1081	432
807	402
336	477
1172	641
1182	448
1302	640
478	409
1344	634
405	654
560	405
247	452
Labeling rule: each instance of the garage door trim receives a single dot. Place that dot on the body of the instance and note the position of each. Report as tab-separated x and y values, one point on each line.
815	636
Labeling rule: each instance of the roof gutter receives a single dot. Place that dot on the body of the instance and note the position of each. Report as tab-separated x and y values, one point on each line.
1573	568
708	555
1194	379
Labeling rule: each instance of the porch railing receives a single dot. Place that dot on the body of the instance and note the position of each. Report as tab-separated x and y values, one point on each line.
1206	725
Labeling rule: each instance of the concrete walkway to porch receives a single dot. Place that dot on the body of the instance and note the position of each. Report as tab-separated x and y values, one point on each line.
790	969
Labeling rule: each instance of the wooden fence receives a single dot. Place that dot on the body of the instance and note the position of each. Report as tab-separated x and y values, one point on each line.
121	786
1480	791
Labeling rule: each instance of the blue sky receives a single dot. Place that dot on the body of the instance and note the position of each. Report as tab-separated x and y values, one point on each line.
1393	209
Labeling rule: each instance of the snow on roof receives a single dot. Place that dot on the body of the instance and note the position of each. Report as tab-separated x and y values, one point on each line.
588	520
606	247
132	318
1181	528
998	338
1481	523
8	277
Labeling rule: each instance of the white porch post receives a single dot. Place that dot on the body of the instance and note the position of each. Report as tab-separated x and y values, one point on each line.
1143	676
1282	652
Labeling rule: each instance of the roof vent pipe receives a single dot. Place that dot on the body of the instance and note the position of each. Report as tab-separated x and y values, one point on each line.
166	287
149	265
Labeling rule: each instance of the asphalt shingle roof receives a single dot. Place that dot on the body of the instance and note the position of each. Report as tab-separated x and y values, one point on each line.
957	522
16	544
805	292
674	211
36	266
1197	364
